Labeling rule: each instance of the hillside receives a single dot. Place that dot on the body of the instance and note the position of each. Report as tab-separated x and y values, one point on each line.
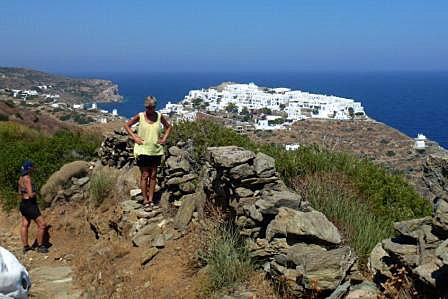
234	217
32	118
71	90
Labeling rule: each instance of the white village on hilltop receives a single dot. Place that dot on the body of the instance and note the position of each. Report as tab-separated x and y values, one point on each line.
298	105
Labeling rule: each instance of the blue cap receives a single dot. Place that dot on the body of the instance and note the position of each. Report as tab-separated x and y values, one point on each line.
26	167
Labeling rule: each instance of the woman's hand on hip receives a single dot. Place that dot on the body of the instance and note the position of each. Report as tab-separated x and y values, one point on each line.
162	141
139	140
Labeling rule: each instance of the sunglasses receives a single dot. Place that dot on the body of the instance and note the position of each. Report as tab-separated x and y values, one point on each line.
147	107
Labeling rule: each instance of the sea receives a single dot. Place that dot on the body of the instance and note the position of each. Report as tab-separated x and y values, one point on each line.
412	102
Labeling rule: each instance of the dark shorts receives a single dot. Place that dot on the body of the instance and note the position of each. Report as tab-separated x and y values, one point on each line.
148	161
29	209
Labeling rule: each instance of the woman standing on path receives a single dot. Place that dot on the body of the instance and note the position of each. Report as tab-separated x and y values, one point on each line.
148	149
30	210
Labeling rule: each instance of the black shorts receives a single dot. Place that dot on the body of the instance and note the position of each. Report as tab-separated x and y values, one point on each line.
148	161
29	209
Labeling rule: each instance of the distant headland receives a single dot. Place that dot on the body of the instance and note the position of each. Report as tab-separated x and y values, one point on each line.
30	83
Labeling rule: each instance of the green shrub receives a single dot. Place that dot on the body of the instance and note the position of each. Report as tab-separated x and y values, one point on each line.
48	153
101	184
4	117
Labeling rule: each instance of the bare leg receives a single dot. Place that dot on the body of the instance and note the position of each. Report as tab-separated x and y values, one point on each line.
41	226
24	231
144	182
152	182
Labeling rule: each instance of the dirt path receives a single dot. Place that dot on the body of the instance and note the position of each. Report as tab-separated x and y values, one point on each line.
81	266
51	274
75	259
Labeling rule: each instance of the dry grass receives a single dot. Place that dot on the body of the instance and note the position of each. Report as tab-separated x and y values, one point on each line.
338	199
400	286
221	253
101	184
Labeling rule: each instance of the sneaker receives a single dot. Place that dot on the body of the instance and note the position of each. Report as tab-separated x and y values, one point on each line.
42	249
26	249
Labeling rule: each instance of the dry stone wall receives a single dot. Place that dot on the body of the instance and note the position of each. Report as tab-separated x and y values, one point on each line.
421	248
292	242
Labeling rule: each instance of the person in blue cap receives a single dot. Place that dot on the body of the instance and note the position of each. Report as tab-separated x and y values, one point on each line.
29	209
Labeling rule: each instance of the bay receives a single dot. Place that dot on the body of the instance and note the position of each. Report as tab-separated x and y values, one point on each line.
412	102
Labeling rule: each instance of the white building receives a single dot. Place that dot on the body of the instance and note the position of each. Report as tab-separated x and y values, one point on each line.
292	147
420	142
114	112
298	104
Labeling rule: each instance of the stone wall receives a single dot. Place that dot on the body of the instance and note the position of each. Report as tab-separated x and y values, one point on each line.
292	242
421	248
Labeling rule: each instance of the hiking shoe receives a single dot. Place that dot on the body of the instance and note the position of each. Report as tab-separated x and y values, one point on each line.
26	249
42	249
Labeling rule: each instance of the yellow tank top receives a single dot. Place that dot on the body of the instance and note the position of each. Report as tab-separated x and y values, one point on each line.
150	134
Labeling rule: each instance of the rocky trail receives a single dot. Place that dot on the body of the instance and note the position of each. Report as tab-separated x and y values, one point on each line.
62	273
52	274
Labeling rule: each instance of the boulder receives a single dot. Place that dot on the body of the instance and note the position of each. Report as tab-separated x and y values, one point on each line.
325	270
442	252
175	151
185	212
57	180
147	235
406	253
181	180
440	217
165	200
243	192
241	171
255	214
311	227
297	253
418	228
175	164
264	165
432	274
379	261
229	156
135	192
269	203
201	199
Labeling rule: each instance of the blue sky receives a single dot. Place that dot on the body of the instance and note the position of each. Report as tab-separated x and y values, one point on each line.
249	35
